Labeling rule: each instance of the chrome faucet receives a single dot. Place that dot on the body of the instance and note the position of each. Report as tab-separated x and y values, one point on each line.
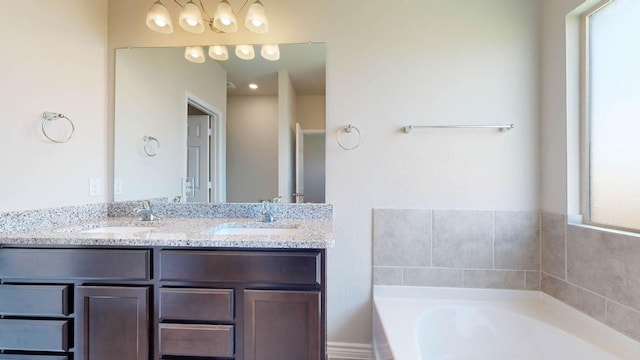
266	215
146	212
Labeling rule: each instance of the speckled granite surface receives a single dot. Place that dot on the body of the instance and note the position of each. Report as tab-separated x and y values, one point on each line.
189	225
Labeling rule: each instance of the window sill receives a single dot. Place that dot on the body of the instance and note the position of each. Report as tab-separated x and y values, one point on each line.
576	220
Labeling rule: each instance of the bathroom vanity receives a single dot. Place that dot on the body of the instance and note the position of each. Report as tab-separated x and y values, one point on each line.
177	288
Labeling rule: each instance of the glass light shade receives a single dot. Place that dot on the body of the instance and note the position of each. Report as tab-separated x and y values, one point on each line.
191	18
218	52
270	52
224	19
256	20
245	52
194	54
158	19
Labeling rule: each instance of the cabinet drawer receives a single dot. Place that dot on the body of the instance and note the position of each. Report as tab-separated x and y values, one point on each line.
196	304
44	300
75	264
196	340
32	357
46	335
236	266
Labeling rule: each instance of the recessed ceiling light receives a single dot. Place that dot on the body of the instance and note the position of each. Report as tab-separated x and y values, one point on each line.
253	86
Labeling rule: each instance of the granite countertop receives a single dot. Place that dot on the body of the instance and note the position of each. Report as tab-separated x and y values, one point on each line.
186	232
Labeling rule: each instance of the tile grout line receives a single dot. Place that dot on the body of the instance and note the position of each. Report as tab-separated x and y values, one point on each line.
566	255
432	220
493	240
540	214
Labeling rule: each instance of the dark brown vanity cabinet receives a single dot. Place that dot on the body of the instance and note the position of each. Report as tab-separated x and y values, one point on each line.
282	325
112	322
86	303
253	305
74	303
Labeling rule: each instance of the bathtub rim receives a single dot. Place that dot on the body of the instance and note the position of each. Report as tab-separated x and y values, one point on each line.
575	322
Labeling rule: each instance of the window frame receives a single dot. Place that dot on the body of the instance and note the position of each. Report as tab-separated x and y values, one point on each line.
585	129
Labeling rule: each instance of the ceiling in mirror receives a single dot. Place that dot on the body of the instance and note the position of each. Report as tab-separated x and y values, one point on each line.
305	64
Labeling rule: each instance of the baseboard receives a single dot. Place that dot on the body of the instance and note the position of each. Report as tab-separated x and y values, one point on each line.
348	351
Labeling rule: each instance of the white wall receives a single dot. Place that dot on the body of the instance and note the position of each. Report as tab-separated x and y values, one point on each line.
54	58
286	137
463	61
252	148
151	100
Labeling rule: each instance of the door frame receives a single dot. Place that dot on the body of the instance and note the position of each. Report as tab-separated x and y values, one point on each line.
218	148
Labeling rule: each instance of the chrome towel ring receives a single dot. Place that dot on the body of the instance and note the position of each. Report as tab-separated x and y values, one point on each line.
47	117
149	147
348	131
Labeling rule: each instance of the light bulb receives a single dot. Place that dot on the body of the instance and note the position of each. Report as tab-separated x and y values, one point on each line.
225	21
191	22
245	52
194	54
270	52
160	22
256	22
253	86
218	52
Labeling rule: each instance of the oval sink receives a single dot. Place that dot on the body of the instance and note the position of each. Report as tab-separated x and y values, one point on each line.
117	230
255	231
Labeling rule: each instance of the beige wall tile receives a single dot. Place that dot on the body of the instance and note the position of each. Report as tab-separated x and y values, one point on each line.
401	237
553	233
494	279
585	301
462	239
517	240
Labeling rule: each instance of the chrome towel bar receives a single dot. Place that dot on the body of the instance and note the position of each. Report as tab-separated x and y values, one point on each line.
506	127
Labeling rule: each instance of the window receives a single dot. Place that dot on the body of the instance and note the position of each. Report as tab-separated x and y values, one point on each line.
612	115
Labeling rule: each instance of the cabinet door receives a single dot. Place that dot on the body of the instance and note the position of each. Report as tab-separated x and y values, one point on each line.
281	325
112	323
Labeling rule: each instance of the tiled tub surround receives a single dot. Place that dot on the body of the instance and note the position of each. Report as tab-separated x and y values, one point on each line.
179	225
456	248
595	271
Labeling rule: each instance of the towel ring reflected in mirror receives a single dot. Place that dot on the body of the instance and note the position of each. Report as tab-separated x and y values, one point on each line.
151	145
48	117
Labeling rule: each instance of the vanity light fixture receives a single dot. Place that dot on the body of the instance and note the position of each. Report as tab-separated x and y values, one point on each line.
193	17
245	52
225	19
270	52
158	18
194	54
218	52
256	20
253	86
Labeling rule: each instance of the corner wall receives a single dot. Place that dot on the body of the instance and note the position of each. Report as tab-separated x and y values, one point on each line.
54	58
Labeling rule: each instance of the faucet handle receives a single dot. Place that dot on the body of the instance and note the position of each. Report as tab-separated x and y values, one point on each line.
277	200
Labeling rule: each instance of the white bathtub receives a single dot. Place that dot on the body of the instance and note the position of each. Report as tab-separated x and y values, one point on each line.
413	323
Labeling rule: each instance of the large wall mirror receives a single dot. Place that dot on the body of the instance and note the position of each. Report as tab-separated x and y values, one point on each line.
196	132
